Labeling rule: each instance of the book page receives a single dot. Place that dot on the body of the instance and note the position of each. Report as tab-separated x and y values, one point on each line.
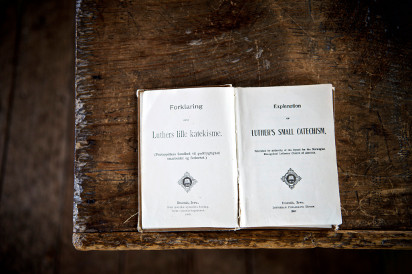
188	158
287	157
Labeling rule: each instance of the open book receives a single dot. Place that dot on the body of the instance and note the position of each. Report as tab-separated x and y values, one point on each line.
225	158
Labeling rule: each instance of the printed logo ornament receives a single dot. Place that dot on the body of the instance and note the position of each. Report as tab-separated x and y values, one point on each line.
291	178
187	181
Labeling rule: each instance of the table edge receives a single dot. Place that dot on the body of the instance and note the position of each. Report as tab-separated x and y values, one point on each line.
252	239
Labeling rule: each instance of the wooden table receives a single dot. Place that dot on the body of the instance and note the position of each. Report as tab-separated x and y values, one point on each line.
364	51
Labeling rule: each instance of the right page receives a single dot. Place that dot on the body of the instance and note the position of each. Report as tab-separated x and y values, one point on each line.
287	157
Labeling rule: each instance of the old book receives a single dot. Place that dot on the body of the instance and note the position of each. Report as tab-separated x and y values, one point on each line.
226	158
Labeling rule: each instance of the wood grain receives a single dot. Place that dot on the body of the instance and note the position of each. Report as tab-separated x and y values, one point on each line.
9	35
40	100
343	239
361	48
170	261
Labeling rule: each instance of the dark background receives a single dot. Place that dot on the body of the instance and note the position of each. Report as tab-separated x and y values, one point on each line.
37	57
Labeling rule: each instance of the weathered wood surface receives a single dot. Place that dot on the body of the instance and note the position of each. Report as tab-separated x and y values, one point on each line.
244	239
363	49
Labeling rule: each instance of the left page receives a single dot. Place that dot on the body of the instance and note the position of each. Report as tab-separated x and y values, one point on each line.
188	168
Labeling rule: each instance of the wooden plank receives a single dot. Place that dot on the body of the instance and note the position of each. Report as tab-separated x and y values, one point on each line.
329	261
68	259
286	261
342	239
170	261
185	261
75	262
9	36
122	46
37	157
371	261
266	261
219	261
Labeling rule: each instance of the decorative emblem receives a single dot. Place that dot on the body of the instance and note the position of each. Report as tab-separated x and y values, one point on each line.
187	181
291	178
